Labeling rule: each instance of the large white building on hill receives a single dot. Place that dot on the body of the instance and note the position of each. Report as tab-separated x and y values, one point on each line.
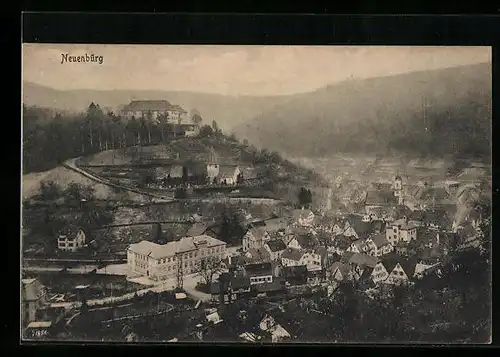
154	109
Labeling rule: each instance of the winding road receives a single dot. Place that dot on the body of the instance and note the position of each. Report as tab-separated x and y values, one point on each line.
71	165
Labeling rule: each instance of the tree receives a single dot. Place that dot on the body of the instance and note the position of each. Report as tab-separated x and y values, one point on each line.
49	190
240	179
76	191
84	307
185	175
156	232
305	197
147	179
196	117
206	131
309	197
215	126
94	118
163	123
208	267
231	230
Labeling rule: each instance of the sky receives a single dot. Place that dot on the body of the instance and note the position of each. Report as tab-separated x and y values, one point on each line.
234	69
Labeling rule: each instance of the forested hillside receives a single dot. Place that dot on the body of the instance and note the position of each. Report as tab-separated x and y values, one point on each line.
49	137
227	110
431	113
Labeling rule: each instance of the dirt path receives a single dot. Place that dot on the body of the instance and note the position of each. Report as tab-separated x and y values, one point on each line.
71	165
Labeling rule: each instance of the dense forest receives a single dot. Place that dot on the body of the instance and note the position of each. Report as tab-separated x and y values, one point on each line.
49	139
437	113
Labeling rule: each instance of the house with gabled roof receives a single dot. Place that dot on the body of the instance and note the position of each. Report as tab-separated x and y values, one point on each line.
378	245
303	241
314	259
260	273
359	227
425	267
339	225
33	300
292	257
71	238
339	271
359	262
400	230
277	225
275	248
255	238
257	255
401	269
278	332
340	244
379	273
358	246
364	280
229	288
228	174
407	249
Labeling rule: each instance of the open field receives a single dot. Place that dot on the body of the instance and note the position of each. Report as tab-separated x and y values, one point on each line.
63	177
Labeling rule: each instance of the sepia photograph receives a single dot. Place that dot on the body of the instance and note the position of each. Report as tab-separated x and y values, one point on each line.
256	194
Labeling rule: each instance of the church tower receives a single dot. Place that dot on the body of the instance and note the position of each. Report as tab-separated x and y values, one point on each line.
212	165
398	189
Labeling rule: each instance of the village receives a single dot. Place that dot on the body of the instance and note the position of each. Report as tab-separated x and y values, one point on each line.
396	239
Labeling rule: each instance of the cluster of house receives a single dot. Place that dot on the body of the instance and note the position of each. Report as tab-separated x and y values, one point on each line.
212	172
308	247
305	248
155	110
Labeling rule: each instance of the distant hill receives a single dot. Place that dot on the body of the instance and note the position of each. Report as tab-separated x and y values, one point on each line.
228	111
384	114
